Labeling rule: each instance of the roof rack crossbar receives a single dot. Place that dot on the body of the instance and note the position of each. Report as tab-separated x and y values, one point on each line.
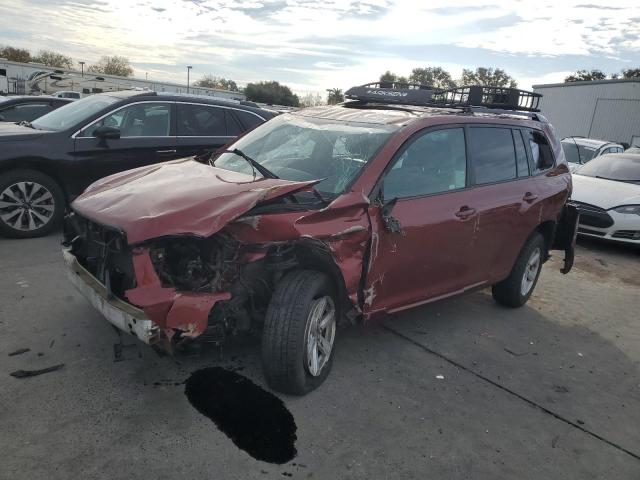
498	98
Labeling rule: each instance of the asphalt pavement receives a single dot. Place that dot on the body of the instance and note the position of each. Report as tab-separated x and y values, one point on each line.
458	389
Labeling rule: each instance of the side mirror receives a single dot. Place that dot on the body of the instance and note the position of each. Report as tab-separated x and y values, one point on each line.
107	133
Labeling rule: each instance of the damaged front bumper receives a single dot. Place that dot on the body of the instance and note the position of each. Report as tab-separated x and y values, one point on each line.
121	314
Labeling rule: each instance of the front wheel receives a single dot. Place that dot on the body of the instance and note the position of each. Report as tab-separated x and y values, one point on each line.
299	332
31	204
516	289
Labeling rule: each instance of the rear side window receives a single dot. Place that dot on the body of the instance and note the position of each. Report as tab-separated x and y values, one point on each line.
541	156
233	124
493	154
434	162
201	121
248	120
521	154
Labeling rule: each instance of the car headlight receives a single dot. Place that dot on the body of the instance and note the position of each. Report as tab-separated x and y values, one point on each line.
628	209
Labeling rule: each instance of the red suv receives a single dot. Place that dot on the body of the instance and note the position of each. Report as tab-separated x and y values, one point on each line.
401	196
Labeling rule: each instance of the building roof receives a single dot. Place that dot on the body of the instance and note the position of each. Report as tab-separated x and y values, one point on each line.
591	82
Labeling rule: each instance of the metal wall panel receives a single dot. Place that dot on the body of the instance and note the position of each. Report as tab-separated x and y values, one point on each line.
571	108
616	119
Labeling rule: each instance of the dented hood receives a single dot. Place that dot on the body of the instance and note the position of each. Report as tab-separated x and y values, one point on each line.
182	197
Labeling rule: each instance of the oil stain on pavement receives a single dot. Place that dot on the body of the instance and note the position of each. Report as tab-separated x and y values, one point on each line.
255	420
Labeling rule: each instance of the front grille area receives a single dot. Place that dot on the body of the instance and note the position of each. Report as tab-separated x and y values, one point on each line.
593	216
103	251
628	234
591	232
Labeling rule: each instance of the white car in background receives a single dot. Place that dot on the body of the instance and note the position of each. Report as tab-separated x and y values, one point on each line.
580	150
607	193
67	94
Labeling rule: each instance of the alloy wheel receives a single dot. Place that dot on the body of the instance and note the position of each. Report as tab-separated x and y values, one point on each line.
320	334
26	206
531	271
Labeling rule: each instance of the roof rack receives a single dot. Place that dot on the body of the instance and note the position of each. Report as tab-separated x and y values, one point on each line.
392	92
496	98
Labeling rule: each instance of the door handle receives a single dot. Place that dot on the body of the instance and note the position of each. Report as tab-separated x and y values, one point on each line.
529	197
465	212
165	152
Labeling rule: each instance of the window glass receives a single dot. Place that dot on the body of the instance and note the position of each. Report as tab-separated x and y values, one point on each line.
137	120
201	121
248	120
296	147
542	158
233	125
28	112
434	162
494	157
570	151
521	154
74	113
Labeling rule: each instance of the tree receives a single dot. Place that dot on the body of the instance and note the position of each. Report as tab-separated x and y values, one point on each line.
272	93
489	77
311	100
15	54
433	76
112	66
53	59
585	76
334	96
631	73
212	81
388	76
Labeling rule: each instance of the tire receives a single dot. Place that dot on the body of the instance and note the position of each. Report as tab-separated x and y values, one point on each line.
39	204
289	332
515	290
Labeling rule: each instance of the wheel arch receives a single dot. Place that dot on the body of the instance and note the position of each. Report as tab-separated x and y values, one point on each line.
39	164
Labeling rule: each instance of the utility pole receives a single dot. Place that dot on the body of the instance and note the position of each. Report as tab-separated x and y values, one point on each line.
82	68
189	67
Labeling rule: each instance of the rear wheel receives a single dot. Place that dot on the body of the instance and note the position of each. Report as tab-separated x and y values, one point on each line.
299	332
31	204
516	289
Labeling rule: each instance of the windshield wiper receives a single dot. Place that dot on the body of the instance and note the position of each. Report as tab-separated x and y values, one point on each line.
265	172
24	123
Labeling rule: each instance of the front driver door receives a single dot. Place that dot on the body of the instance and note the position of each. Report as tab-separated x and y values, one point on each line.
146	137
433	255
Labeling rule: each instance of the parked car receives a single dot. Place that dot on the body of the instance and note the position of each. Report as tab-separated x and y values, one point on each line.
324	214
49	161
580	150
67	94
607	192
27	108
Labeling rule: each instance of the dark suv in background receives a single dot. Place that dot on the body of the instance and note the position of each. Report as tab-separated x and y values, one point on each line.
47	162
27	108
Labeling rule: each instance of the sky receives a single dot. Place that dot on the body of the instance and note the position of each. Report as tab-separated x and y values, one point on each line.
313	45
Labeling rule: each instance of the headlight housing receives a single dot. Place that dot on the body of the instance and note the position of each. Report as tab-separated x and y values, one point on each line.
628	209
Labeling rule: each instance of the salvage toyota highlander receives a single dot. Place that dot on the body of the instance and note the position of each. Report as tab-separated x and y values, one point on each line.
324	215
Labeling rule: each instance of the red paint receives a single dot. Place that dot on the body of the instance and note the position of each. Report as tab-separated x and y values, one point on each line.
183	197
167	308
440	253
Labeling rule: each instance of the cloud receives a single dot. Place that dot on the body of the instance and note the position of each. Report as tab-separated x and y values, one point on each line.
313	45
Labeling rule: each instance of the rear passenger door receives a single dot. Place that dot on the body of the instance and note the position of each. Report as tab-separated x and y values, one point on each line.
505	197
203	127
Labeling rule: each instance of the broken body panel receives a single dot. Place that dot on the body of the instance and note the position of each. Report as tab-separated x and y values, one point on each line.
199	249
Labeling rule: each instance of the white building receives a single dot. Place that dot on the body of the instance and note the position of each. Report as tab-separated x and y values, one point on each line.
603	109
34	78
